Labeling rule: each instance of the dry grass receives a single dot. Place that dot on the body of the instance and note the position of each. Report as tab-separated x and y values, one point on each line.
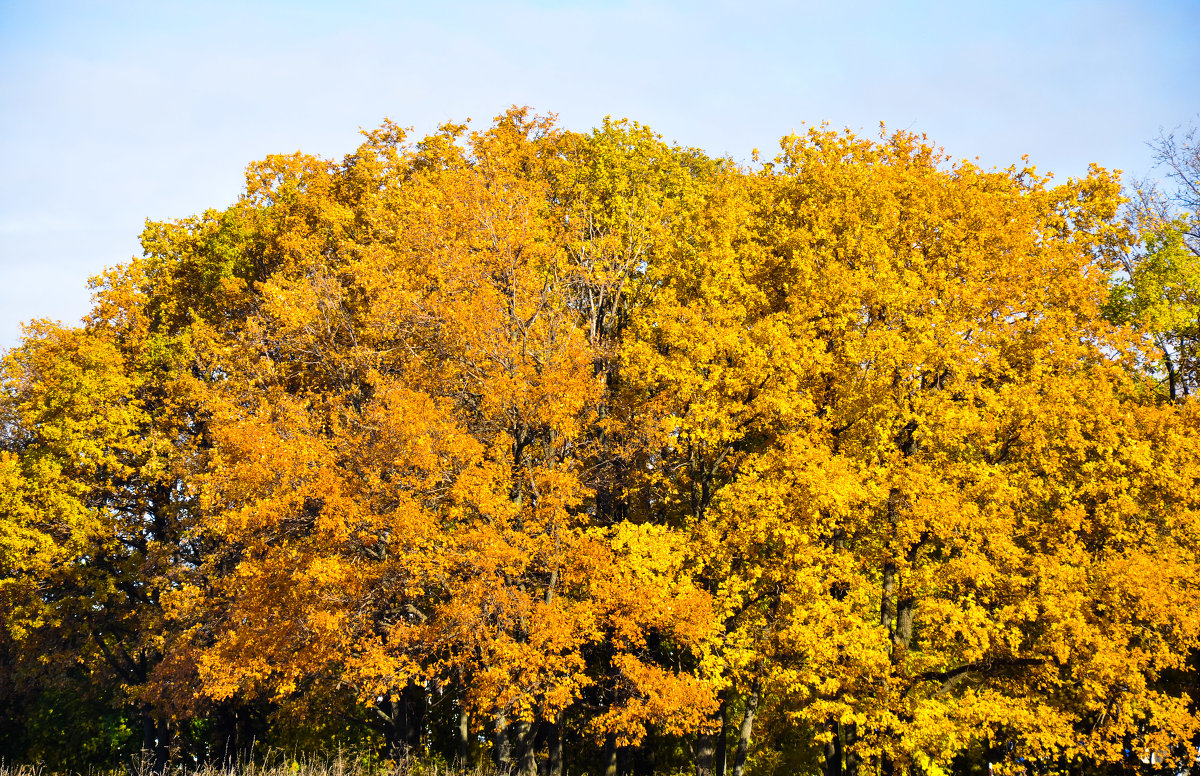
282	764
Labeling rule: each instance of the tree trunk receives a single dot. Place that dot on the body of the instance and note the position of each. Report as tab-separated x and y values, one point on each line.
705	745
643	758
711	747
225	735
554	747
412	700
155	740
902	639
526	745
149	740
887	606
1170	374
887	601
163	753
393	727
850	759
720	751
404	721
233	734
610	755
463	733
501	755
833	750
747	728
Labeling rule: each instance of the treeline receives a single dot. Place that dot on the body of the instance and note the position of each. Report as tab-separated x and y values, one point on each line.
588	453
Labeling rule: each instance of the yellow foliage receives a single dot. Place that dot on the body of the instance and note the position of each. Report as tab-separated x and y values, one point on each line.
590	427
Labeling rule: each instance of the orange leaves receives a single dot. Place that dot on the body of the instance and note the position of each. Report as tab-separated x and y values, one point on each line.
402	427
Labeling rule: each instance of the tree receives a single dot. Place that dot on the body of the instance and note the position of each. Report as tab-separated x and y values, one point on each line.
97	441
402	426
1157	291
554	447
916	400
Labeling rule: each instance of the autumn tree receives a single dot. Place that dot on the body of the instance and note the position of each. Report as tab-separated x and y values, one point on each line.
991	432
97	445
1157	288
585	451
404	425
862	439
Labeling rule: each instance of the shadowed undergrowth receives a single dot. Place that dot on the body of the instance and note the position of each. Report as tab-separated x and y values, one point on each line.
342	763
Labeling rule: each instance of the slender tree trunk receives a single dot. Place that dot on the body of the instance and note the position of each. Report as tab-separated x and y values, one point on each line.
1182	350
887	603
747	728
463	733
721	750
833	750
643	758
902	640
711	747
625	759
163	755
224	726
901	607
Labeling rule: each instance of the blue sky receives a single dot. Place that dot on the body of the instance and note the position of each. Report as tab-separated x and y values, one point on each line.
112	113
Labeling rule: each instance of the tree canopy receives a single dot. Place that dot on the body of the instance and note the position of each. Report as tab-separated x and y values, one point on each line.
585	451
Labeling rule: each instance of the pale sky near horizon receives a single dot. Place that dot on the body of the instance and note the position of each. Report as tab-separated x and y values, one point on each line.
112	113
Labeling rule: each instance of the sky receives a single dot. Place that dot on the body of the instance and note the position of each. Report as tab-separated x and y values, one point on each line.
115	113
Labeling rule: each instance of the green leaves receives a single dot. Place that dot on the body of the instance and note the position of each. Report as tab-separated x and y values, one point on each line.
1160	297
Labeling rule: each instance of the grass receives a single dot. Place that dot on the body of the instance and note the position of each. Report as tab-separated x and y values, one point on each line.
278	763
